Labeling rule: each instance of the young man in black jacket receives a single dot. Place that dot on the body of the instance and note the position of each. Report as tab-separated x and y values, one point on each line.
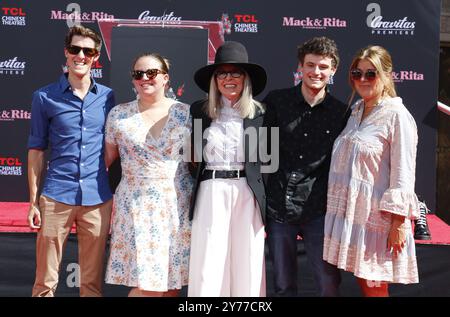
309	120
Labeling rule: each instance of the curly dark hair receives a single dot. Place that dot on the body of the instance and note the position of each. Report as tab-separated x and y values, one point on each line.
323	46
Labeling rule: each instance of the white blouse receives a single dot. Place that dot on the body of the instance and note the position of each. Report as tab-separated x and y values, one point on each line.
225	139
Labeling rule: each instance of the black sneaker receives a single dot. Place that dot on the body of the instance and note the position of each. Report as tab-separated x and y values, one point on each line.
421	230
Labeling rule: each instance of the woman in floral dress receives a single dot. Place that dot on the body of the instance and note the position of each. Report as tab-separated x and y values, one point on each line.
151	228
371	198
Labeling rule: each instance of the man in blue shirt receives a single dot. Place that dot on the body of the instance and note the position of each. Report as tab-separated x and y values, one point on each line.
69	117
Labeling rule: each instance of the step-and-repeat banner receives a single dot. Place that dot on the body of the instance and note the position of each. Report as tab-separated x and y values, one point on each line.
32	42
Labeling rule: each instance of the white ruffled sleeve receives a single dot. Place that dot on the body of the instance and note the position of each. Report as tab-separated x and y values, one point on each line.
400	197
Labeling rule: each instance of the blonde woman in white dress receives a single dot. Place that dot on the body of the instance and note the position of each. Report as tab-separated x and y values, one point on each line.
371	198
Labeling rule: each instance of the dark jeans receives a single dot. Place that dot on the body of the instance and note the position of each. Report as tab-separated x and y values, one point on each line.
282	240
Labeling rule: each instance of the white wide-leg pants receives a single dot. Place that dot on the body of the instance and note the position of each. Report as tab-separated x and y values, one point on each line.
227	242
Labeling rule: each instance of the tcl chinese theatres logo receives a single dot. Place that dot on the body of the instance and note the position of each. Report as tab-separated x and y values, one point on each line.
13	16
10	166
241	23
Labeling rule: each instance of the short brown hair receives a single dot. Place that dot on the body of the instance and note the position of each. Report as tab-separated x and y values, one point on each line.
165	64
323	46
84	32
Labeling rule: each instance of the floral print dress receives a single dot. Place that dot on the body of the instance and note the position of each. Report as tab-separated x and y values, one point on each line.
150	228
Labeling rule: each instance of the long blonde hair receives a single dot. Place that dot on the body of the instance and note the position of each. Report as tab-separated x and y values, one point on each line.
382	61
247	105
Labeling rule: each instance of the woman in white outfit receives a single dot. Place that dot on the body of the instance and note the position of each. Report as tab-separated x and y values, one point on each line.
228	205
371	198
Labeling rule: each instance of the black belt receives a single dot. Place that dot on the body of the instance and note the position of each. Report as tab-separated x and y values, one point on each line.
208	174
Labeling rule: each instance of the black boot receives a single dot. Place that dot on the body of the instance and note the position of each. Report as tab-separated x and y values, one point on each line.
421	230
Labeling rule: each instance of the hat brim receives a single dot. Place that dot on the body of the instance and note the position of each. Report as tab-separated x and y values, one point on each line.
258	76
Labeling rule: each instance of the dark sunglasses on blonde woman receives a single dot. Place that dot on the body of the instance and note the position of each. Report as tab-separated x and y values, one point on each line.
369	75
87	51
223	74
151	73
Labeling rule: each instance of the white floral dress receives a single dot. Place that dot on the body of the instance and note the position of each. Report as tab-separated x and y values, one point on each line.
372	176
150	229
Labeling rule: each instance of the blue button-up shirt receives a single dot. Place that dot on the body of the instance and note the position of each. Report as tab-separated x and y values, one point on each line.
74	130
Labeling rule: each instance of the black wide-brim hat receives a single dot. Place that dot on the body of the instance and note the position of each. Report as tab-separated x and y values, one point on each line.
233	53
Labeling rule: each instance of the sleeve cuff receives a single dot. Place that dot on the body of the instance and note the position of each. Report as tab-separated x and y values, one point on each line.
400	202
36	143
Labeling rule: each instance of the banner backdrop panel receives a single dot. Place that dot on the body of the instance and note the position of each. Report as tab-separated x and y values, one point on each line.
186	50
32	42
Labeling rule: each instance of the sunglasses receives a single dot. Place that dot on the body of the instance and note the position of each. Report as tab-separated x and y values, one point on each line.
221	74
151	73
369	75
87	51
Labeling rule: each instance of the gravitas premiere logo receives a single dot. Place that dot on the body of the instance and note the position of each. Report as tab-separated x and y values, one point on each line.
381	26
12	67
13	16
170	18
245	23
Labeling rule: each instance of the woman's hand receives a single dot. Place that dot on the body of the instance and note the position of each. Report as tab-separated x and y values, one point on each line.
397	235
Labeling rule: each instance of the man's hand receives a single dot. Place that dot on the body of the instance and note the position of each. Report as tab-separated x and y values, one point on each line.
35	167
34	217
